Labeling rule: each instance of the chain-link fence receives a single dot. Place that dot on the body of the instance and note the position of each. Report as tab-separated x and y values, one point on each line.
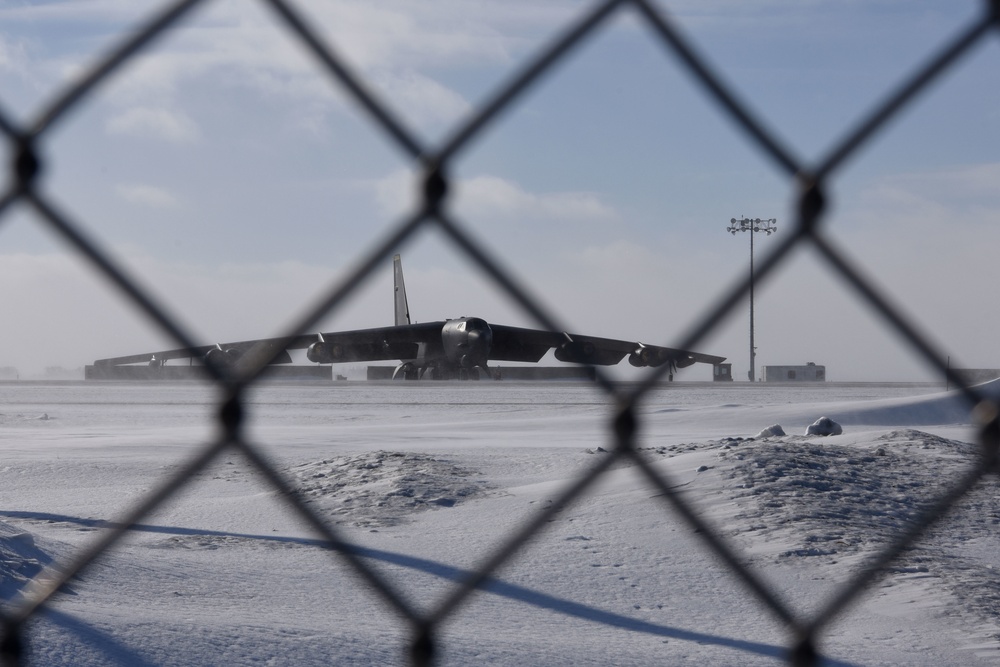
810	180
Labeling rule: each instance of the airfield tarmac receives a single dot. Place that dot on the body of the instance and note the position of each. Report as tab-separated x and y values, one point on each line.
429	478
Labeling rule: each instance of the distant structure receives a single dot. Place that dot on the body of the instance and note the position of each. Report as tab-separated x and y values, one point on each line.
722	373
752	225
808	373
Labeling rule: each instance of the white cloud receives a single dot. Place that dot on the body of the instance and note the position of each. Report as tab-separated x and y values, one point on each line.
147	195
494	198
55	294
392	45
942	212
927	241
12	56
967	187
422	100
153	122
452	33
395	194
58	293
79	10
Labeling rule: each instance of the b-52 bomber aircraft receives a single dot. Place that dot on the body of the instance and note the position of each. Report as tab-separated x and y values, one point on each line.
452	349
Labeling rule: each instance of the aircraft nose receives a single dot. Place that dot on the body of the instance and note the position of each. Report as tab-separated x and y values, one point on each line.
476	341
479	341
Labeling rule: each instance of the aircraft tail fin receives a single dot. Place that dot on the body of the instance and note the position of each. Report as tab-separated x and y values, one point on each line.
402	309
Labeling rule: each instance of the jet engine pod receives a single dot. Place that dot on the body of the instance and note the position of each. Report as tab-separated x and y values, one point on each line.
319	353
576	352
407	371
649	356
219	357
640	358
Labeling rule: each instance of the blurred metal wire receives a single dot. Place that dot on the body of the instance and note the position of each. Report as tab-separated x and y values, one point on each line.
808	181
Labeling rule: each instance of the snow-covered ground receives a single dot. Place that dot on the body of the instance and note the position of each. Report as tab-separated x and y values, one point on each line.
428	479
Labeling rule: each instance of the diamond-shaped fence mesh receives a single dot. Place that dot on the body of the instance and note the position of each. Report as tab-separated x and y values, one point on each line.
808	180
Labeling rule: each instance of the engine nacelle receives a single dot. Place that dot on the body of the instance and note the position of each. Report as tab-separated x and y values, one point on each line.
648	356
407	371
324	353
639	358
575	352
319	353
223	358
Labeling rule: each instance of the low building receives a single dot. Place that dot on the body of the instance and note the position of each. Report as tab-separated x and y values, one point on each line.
808	373
722	373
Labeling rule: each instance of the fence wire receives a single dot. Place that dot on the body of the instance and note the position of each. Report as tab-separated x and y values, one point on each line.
808	180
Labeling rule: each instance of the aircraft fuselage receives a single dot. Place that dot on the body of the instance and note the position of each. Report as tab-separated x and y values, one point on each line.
465	347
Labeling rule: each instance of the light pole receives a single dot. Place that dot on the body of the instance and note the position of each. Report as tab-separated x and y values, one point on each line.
768	226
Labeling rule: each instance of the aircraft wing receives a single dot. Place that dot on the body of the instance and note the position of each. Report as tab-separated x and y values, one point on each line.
379	344
241	348
517	344
413	341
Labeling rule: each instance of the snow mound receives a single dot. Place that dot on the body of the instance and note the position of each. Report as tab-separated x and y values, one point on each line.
380	488
772	431
824	426
824	501
669	451
20	560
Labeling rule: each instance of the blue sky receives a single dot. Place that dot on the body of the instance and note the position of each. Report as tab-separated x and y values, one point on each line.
228	173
